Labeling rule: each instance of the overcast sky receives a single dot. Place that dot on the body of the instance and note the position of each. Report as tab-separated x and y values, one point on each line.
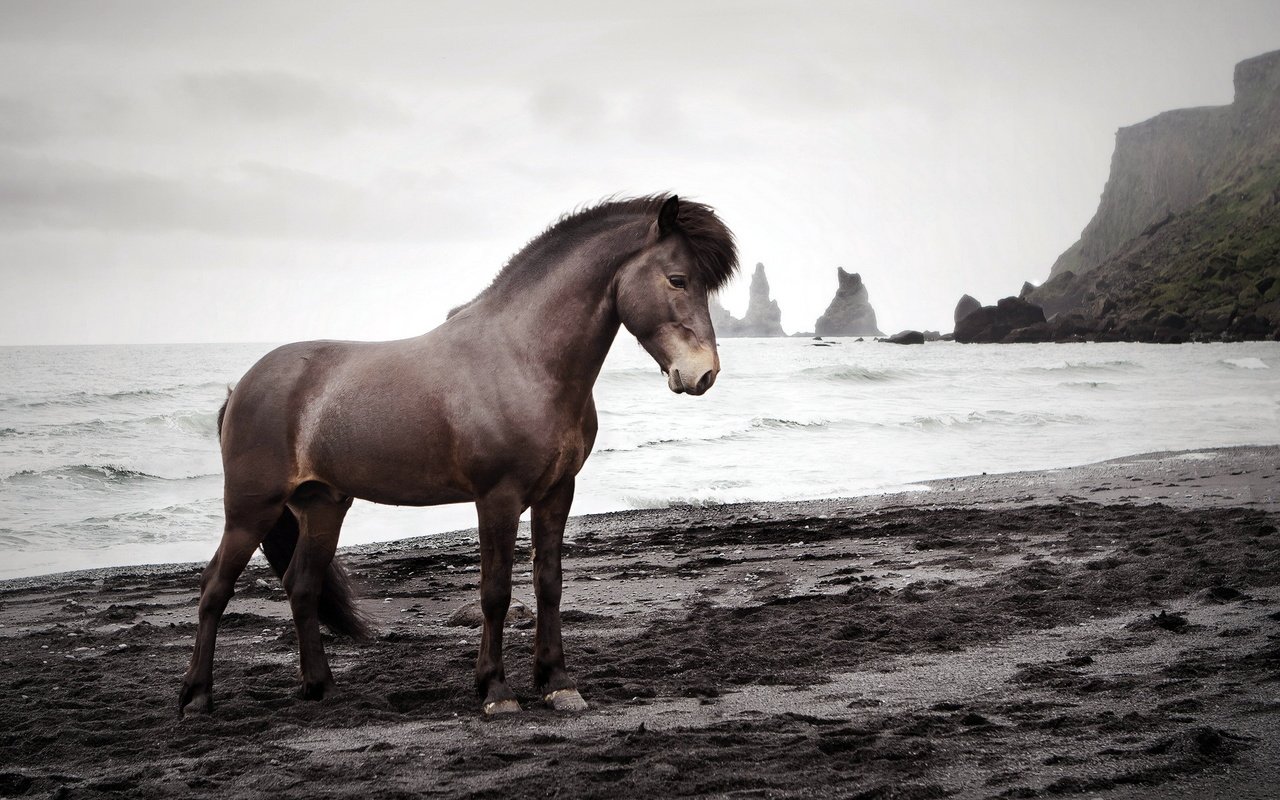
269	172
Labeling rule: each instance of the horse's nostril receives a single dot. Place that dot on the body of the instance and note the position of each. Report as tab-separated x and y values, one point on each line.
704	383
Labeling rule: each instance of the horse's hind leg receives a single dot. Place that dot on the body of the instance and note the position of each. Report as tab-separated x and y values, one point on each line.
320	516
499	516
239	539
549	516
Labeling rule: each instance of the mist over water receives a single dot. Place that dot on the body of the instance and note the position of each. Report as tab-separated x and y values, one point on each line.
109	456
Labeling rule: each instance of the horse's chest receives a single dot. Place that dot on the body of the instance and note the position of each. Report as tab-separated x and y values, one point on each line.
560	456
549	455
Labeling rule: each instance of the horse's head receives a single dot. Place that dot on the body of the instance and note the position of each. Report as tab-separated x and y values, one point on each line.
662	293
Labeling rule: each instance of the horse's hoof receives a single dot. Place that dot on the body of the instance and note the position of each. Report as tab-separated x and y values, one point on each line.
499	707
314	691
565	700
198	706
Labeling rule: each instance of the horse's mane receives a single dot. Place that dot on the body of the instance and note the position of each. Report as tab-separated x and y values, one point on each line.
714	251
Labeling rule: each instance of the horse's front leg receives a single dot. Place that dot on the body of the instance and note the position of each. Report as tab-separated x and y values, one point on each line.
499	516
549	516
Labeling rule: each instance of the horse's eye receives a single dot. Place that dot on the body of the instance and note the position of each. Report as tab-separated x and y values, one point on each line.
677	281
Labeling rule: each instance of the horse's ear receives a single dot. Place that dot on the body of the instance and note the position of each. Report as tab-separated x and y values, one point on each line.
667	215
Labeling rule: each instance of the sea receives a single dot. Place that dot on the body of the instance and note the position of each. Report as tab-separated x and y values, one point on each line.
109	454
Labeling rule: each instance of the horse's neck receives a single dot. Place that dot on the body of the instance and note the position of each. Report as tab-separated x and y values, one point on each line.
565	322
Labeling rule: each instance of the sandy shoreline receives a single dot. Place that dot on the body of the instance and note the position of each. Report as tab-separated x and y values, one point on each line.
994	636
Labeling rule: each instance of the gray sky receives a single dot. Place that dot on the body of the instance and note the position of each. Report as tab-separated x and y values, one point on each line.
268	172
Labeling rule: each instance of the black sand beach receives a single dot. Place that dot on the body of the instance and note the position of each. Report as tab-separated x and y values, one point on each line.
1102	631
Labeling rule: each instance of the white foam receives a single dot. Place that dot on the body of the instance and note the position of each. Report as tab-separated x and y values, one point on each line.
1246	363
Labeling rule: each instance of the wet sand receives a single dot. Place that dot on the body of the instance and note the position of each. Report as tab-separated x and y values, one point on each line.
1102	631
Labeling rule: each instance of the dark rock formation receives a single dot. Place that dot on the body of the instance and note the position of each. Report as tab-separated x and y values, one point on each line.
906	337
1010	320
850	312
763	317
966	306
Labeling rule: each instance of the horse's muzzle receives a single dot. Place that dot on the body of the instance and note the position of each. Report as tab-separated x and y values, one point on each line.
680	384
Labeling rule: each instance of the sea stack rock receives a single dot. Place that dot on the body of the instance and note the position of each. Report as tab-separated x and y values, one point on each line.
763	317
850	312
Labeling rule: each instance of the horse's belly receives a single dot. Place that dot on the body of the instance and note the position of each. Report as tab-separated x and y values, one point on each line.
415	496
395	483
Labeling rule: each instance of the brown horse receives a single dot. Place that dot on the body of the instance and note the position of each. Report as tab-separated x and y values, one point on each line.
492	407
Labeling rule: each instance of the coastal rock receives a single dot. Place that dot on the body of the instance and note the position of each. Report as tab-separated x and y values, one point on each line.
967	305
1010	320
850	312
1063	292
470	615
763	317
1072	327
906	337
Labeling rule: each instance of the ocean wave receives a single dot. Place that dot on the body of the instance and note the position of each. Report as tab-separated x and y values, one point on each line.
199	510
200	424
845	372
83	398
992	418
196	423
753	427
1086	366
1245	363
73	399
640	445
775	423
715	494
1087	385
92	474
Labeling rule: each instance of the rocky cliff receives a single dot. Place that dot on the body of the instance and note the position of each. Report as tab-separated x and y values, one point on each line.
850	312
763	317
1169	163
1185	244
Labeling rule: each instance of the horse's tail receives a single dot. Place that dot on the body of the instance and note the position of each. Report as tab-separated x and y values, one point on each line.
222	412
337	607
